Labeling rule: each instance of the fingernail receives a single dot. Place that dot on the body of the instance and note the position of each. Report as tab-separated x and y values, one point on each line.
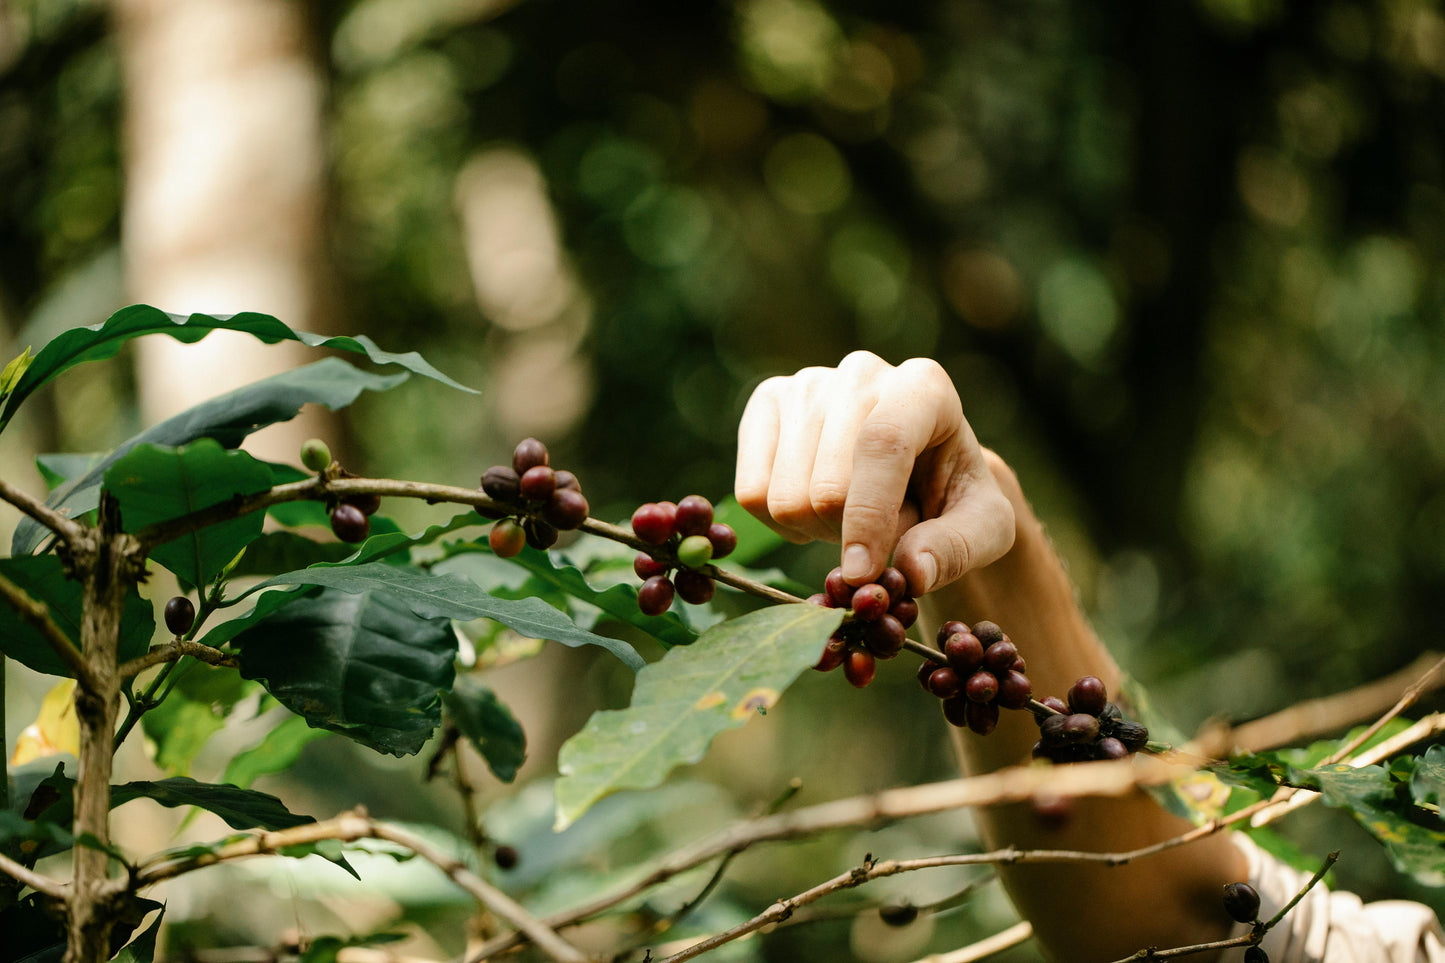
856	562
928	568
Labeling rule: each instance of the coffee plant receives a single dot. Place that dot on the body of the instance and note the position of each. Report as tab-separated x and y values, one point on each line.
356	635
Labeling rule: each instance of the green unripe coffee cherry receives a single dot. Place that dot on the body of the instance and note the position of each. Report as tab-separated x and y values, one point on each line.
315	455
695	551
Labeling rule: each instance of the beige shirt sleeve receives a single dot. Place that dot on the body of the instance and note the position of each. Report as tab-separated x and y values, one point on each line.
1337	927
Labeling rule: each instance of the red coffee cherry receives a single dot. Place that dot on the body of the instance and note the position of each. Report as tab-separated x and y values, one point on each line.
538	483
692	586
999	657
981	687
838	590
943	682
834	651
655	596
859	668
885	637
507	538
694	516
529	453
567	508
653	522
981	718
1088	695
1014	690
646	566
723	539
870	602
964	652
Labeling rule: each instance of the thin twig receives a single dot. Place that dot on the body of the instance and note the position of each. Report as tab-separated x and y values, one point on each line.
36	881
353	826
985	947
1406	700
38	615
171	651
68	529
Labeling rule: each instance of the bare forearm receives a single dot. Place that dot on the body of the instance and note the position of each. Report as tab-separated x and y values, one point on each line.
1079	912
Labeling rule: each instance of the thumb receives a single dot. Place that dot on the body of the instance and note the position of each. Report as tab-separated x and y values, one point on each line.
976	530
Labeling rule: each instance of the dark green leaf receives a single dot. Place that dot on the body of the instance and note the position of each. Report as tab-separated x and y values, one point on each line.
98	342
240	808
680	703
142	949
266	603
42	577
228	418
488	725
445	596
360	663
155	484
276	552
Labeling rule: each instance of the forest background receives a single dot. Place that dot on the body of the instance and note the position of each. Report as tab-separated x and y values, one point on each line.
1184	261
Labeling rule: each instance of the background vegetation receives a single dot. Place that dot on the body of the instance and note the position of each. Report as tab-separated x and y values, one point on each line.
1184	261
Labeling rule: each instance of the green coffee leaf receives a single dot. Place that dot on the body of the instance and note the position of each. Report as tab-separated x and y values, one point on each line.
228	418
155	484
43	578
101	341
200	700
445	596
488	725
734	671
362	663
276	751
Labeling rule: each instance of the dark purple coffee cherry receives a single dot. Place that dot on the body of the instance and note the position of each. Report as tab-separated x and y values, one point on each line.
1088	695
903	609
898	914
655	596
538	483
964	652
529	453
368	502
507	538
951	628
943	682
834	651
1133	735
653	522
506	857
540	535
1080	728
565	479
981	687
1241	902
1256	954
999	657
981	718
693	587
349	523
1051	731
894	583
1110	748
503	484
955	710
1014	690
885	637
838	590
180	615
1055	703
988	633
694	515
925	670
723	539
646	566
859	668
566	510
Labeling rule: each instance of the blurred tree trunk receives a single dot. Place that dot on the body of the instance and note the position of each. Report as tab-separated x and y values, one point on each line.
224	190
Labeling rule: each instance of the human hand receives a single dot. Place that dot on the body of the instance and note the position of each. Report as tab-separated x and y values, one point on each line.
880	458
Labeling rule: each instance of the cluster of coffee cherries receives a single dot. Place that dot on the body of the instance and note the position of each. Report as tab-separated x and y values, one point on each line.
542	501
982	672
1086	726
687	539
880	614
351	515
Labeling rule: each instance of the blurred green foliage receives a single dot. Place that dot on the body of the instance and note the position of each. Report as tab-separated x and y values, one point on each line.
1184	261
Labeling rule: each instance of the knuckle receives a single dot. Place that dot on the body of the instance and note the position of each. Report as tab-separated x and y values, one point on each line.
790	509
883	438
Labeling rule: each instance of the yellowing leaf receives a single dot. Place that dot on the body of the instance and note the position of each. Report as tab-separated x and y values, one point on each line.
55	730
